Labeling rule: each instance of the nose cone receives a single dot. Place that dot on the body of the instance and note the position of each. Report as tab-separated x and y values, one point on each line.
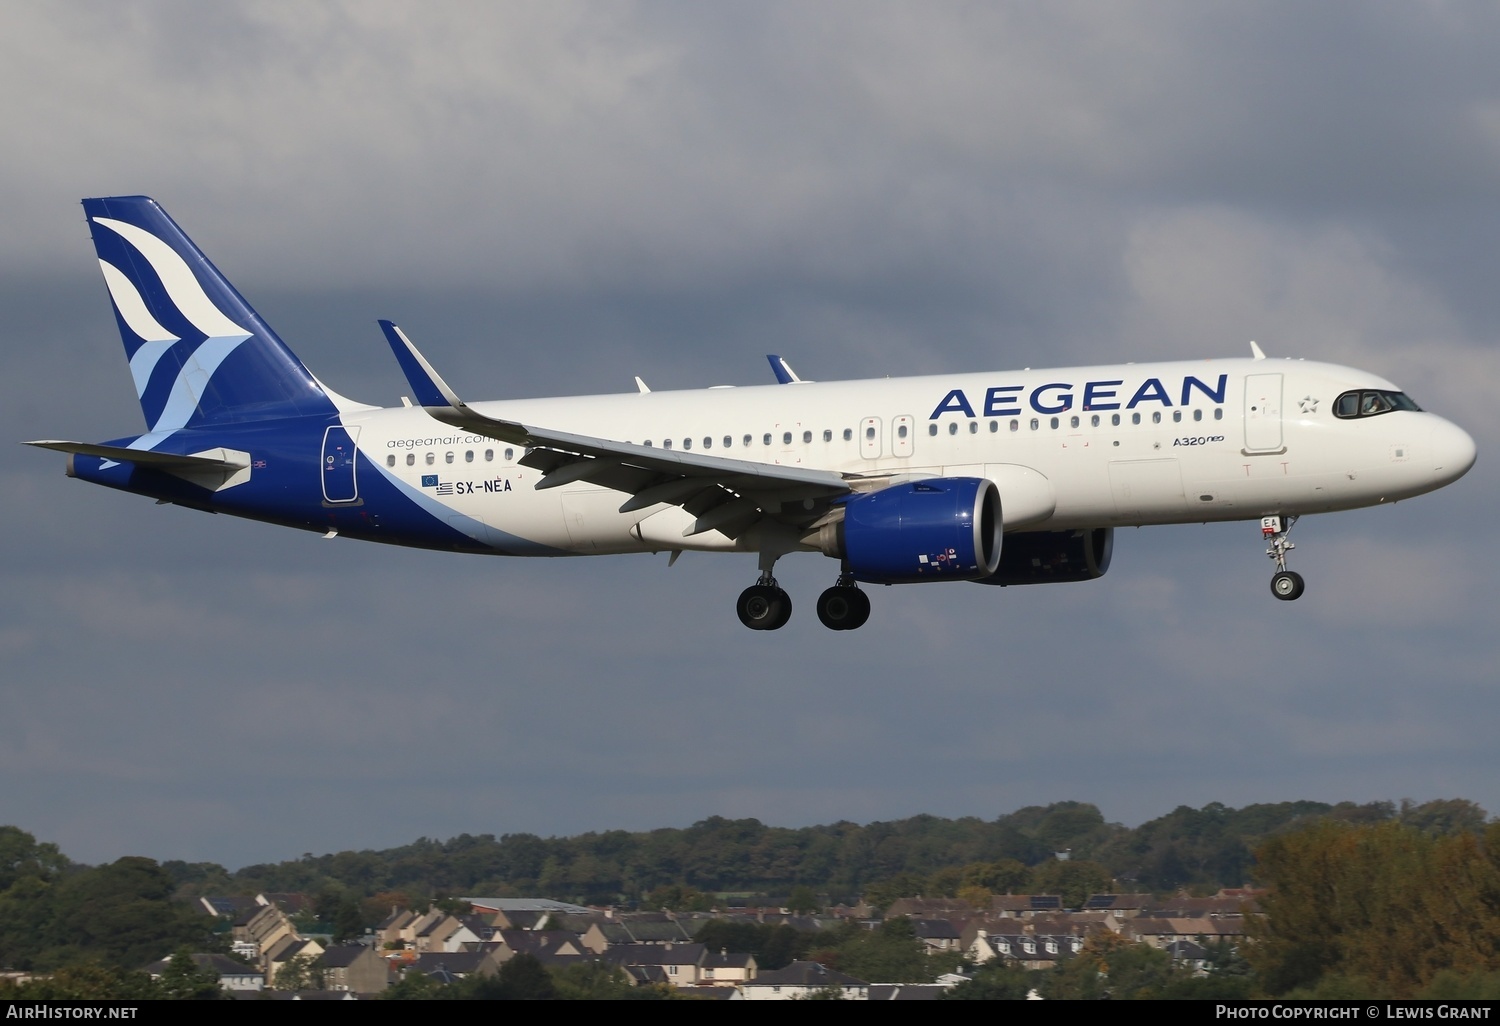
1453	451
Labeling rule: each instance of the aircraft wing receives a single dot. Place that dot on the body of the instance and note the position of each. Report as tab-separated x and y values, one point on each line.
722	494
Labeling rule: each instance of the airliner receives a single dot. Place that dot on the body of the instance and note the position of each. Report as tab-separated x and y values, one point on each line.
1002	478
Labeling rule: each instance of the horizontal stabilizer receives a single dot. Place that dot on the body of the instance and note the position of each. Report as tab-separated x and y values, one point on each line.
143	457
214	469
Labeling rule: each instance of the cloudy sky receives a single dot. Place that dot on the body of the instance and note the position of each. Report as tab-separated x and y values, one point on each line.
555	197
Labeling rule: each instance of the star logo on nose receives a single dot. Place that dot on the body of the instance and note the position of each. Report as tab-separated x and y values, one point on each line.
1308	404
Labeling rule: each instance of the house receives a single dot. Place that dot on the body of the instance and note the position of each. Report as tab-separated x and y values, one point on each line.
260	931
1024	906
1119	906
291	902
286	949
228	907
1161	933
354	967
544	944
232	975
936	935
388	930
457	964
508	905
929	908
1032	951
681	964
802	980
726	968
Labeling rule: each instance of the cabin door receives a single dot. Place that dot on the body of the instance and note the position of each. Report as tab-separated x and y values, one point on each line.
1263	414
339	456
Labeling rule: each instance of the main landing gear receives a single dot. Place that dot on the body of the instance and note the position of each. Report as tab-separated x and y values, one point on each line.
844	607
765	607
1285	584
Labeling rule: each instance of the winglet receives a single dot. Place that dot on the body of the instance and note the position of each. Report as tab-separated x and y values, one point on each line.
1255	351
426	384
641	385
783	370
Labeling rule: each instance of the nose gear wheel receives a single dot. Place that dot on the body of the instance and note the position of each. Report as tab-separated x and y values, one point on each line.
1286	584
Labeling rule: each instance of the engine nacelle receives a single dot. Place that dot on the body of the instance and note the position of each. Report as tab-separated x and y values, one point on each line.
1054	557
941	529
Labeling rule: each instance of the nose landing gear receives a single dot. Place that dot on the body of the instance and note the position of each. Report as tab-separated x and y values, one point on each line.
1285	584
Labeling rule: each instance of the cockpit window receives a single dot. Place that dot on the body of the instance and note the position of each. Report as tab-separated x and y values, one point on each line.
1371	403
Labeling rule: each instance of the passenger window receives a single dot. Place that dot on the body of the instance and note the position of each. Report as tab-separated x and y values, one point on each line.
953	427
767	439
508	454
870	432
1197	414
1114	420
1094	420
1073	421
1035	423
1176	416
786	438
468	455
827	436
932	429
431	458
848	434
708	443
728	441
647	443
1218	413
806	437
748	439
901	431
994	426
489	455
1156	417
411	459
973	427
666	443
687	443
447	457
1015	425
1135	418
1054	423
390	460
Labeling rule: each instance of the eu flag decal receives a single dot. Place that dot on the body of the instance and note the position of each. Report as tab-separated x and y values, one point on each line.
429	480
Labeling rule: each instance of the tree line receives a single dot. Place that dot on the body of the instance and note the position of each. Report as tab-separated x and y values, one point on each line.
1201	849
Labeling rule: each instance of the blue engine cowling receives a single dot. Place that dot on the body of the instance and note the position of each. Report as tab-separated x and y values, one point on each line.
942	529
1054	557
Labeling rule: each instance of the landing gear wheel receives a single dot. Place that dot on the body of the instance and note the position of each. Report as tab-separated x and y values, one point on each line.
1287	585
784	603
764	608
843	608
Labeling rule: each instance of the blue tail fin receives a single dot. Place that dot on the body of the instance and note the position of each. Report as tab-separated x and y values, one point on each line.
198	352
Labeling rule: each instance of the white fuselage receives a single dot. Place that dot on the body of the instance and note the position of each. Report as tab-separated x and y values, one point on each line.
1119	445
